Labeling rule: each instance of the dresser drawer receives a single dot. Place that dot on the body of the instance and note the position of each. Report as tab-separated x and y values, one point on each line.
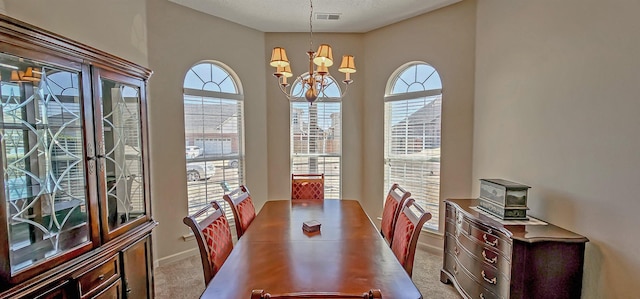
98	277
113	291
450	219
450	212
471	287
449	225
491	238
485	275
484	254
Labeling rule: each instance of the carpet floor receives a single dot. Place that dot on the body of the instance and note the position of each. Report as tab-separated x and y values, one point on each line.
183	279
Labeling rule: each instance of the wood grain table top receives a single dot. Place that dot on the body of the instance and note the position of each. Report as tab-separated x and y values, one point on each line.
348	254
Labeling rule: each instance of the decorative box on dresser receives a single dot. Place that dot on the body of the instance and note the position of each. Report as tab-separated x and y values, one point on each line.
75	207
486	259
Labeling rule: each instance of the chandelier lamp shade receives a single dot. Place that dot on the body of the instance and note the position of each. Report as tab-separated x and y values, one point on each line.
318	77
31	74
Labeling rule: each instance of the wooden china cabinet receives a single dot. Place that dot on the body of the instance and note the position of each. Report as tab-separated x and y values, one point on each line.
75	211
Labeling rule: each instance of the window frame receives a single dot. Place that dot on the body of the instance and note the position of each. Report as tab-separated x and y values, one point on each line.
322	99
395	97
236	159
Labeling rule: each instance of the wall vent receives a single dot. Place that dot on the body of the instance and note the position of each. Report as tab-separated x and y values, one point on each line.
327	16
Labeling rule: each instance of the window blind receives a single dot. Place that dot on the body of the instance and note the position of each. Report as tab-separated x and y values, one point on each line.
412	150
316	142
214	126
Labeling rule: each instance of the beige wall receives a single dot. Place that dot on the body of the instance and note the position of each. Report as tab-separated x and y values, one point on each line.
555	106
179	38
444	39
297	45
116	26
557	86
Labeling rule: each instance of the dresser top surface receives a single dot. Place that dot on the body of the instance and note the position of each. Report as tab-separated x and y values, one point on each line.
525	233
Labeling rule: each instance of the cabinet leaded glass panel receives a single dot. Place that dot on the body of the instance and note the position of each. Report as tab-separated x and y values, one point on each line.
122	152
42	160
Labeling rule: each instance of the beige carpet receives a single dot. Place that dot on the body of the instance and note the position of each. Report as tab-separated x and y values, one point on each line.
183	279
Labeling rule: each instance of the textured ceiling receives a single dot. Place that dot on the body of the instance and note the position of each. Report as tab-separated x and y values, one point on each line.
293	15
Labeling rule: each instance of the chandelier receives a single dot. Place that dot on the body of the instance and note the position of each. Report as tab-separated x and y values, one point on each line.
318	77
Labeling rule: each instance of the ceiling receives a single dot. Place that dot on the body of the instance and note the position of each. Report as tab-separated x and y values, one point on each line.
293	15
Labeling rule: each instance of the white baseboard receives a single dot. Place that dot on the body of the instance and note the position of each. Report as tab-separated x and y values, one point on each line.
176	257
431	241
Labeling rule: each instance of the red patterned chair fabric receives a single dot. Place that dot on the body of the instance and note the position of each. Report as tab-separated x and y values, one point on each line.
243	209
406	233
219	243
395	199
307	186
213	236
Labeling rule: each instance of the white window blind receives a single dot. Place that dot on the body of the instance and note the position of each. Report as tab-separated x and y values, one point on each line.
412	138
316	138
213	112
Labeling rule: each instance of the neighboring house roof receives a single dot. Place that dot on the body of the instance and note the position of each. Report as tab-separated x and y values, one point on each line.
427	114
211	116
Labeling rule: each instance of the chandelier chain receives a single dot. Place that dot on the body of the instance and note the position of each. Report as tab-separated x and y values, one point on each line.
311	26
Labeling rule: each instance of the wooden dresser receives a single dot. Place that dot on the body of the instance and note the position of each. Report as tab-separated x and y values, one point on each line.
486	259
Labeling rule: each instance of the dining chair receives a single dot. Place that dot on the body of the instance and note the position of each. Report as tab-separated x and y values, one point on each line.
242	207
406	233
307	186
373	293
213	236
392	206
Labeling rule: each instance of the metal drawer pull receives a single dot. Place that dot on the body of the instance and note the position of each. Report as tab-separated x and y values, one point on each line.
101	277
491	281
481	296
492	261
494	243
455	269
456	250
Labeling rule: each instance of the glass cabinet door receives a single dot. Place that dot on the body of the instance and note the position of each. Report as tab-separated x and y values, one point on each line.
43	163
120	147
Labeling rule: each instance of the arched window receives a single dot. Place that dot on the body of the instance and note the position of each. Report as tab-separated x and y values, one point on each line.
316	135
413	110
213	129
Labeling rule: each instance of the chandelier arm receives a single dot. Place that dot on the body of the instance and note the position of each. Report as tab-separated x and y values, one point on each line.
283	89
344	92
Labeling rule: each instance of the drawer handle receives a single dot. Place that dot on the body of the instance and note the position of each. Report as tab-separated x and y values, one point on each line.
492	281
101	277
456	250
494	243
455	269
492	261
481	296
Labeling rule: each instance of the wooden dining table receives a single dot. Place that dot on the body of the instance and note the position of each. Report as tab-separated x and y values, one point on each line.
347	255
